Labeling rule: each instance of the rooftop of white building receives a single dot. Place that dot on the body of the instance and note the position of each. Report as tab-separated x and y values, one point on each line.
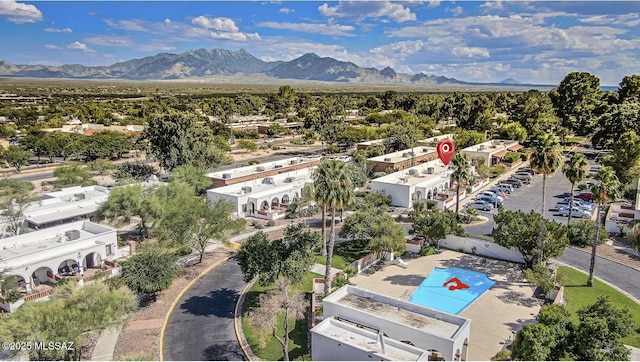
266	186
256	169
430	170
404	313
368	340
425	141
493	145
40	245
403	155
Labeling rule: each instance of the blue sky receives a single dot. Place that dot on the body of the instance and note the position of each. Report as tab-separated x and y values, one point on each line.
531	41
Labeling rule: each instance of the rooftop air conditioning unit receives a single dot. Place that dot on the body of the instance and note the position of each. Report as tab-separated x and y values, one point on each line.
413	172
246	189
481	148
72	234
268	181
277	166
80	196
430	170
259	168
425	150
405	154
293	162
387	160
288	179
226	175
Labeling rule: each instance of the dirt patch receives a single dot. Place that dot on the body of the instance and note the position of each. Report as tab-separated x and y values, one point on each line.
140	337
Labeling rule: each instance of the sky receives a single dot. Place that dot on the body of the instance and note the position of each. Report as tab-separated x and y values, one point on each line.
536	42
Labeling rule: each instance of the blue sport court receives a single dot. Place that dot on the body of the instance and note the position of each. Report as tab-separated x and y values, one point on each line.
463	287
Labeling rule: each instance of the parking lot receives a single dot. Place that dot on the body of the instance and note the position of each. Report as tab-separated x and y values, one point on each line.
529	197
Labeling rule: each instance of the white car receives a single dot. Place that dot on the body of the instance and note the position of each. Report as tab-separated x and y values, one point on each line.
576	212
480	205
490	194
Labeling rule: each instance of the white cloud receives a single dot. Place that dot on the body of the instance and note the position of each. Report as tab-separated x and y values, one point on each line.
361	10
286	10
491	5
234	36
630	20
51	46
470	52
220	24
434	4
19	13
455	11
80	46
54	30
326	29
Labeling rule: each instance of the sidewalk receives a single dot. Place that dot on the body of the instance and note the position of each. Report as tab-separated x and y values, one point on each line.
103	351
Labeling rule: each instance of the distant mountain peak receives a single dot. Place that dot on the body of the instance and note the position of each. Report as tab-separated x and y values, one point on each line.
509	81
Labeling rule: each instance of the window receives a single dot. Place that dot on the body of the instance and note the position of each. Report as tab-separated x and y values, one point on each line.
109	252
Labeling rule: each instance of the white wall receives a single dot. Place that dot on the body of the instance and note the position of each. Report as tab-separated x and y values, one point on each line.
400	193
482	247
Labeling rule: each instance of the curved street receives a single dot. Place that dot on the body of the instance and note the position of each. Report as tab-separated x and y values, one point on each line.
201	326
619	275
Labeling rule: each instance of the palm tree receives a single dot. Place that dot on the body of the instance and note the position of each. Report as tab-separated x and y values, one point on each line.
607	187
462	175
575	170
335	190
545	158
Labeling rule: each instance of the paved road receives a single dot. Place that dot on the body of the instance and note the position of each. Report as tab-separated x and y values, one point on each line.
201	326
619	275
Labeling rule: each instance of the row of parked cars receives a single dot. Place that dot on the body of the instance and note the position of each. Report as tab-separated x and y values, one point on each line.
582	205
487	200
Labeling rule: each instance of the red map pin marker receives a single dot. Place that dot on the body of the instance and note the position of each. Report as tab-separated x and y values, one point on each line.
446	150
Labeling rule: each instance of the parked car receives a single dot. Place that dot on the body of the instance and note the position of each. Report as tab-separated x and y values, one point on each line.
480	205
522	176
492	200
576	212
490	194
515	182
584	195
526	170
576	203
502	188
507	186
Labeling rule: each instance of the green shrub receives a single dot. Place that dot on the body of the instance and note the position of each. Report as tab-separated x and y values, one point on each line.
340	280
11	296
503	355
350	271
253	162
183	250
541	277
427	250
511	157
256	224
581	233
333	149
271	223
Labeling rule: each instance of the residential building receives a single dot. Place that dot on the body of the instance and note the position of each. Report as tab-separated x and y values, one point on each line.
260	171
361	325
44	256
492	152
424	151
267	197
430	180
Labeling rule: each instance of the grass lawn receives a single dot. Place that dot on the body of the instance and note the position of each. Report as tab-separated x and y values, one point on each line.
578	295
337	261
574	140
272	350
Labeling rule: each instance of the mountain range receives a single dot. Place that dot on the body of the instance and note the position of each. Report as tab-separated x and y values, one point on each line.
202	63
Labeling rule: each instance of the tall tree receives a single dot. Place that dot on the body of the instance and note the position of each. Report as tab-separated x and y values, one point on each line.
625	156
516	229
177	139
130	201
434	225
215	224
607	187
576	101
335	189
193	176
575	169
73	174
16	157
134	171
175	205
545	159
289	257
461	175
377	226
629	90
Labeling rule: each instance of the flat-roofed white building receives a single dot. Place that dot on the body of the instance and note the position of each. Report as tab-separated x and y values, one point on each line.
424	151
430	180
492	151
267	197
43	256
360	325
260	171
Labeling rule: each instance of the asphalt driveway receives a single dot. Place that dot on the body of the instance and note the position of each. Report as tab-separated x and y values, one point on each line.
201	326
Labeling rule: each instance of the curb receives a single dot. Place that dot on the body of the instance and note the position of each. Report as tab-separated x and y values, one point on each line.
237	324
184	290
